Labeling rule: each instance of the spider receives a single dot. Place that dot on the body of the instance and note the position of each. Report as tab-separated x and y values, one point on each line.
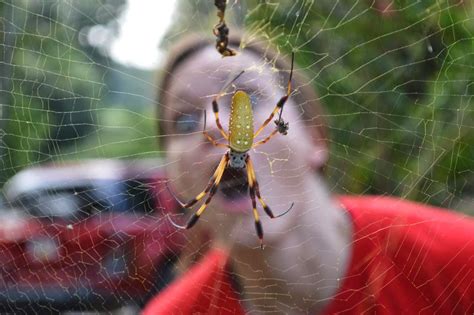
240	141
221	31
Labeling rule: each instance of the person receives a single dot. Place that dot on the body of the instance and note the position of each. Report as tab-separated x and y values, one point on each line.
327	255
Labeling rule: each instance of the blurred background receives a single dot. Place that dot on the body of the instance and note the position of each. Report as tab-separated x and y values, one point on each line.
396	79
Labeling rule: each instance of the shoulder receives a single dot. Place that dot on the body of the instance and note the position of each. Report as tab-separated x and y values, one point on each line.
406	223
406	255
372	213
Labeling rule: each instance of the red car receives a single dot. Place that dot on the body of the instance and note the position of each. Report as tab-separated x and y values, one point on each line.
89	235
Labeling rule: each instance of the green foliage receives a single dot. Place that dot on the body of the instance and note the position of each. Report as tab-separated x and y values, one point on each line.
121	133
53	81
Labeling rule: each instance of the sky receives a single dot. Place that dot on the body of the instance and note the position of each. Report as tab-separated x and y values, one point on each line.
142	26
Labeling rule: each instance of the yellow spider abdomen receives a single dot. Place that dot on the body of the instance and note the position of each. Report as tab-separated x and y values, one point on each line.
241	123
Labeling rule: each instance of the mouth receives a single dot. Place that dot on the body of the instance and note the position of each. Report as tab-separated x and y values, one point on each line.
234	184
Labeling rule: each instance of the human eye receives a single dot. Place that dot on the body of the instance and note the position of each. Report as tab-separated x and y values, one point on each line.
187	122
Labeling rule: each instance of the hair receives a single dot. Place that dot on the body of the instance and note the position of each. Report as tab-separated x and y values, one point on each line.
304	95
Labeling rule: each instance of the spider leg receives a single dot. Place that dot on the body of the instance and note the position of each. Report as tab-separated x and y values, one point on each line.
256	144
215	107
258	223
209	137
212	190
192	202
266	208
279	105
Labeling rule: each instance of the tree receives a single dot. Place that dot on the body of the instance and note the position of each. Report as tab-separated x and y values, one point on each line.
54	78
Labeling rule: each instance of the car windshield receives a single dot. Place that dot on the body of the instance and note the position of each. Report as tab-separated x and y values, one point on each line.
72	203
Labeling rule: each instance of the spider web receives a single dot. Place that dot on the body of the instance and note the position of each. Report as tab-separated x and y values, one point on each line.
83	167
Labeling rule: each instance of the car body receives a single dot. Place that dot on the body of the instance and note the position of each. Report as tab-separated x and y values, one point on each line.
86	235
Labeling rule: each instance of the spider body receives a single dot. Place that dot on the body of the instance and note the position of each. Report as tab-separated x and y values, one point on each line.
241	123
240	139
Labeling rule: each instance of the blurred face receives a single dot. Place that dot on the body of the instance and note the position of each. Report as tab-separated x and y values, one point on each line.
281	164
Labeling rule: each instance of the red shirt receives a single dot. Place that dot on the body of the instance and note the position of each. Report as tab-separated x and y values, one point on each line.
407	258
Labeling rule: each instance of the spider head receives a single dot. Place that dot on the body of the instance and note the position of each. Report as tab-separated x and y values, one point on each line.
237	159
